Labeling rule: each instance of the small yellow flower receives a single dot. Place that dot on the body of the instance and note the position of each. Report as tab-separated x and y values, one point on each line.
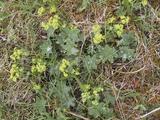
53	9
65	62
53	22
95	102
65	74
124	20
39	66
41	11
75	72
15	72
36	87
111	20
98	38
63	66
45	26
85	96
118	29
18	54
144	2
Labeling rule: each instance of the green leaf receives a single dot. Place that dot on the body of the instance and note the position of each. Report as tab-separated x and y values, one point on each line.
90	63
101	110
1	111
128	39
70	47
40	104
46	48
73	34
126	53
60	115
68	40
85	87
107	53
1	4
140	107
84	5
4	16
63	93
93	112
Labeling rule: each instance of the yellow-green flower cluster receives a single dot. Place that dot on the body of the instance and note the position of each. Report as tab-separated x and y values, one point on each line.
96	28
39	66
15	72
144	2
98	37
18	54
75	72
53	22
41	11
111	20
86	95
118	24
118	28
67	68
96	92
63	67
53	9
35	86
91	95
124	19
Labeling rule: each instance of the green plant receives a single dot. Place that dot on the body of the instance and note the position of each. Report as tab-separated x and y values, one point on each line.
71	64
91	96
